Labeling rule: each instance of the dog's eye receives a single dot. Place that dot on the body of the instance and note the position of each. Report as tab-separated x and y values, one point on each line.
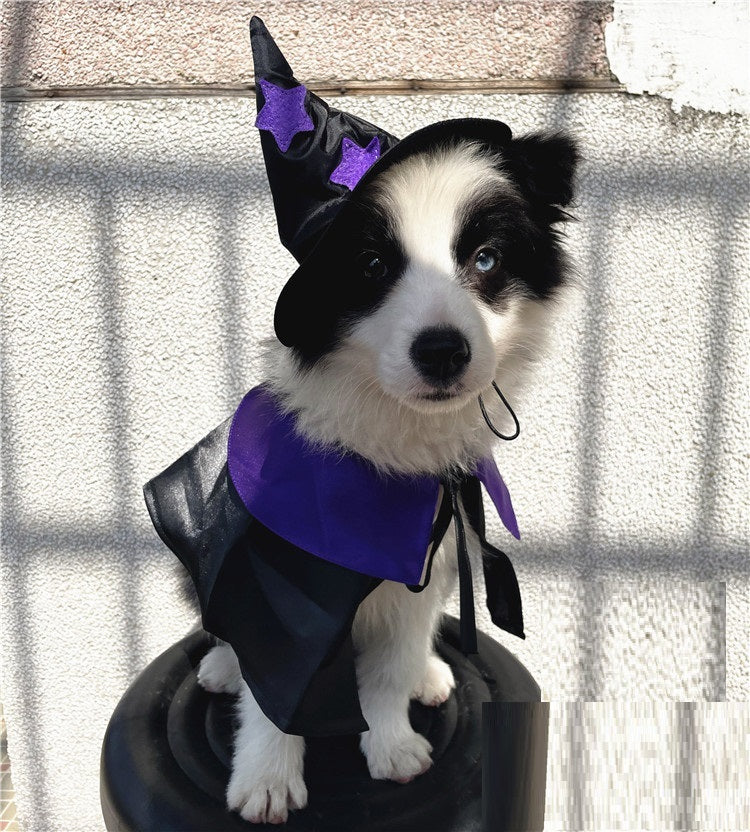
373	265
486	260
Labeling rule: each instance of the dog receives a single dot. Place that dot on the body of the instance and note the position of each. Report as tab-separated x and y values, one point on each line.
457	269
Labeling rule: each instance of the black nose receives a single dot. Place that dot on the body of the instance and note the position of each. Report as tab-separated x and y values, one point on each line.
440	354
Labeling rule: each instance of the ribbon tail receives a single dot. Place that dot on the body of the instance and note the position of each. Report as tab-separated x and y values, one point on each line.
468	627
503	593
501	583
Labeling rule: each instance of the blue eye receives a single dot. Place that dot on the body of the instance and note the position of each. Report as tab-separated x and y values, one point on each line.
486	260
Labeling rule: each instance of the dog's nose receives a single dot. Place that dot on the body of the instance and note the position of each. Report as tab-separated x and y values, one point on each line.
440	353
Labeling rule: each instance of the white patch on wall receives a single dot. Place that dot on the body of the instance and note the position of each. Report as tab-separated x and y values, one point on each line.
694	53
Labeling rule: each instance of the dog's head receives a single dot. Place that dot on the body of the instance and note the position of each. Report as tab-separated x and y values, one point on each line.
427	277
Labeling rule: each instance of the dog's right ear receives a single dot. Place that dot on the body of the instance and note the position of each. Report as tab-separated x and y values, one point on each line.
543	167
328	290
309	308
320	296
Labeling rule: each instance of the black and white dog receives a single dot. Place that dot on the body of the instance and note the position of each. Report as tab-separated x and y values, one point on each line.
457	267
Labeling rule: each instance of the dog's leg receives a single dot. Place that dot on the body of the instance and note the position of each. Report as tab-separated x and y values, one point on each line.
219	670
436	684
267	772
437	681
388	667
393	634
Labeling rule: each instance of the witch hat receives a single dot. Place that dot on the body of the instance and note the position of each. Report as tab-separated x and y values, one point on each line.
314	153
318	158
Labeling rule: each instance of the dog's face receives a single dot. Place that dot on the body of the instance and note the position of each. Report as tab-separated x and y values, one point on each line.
426	281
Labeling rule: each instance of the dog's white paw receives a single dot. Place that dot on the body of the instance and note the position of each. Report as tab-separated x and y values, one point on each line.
219	671
266	796
437	683
397	758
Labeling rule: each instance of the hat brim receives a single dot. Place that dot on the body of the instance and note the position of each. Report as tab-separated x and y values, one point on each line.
296	292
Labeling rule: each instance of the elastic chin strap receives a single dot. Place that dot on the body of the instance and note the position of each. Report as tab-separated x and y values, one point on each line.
510	410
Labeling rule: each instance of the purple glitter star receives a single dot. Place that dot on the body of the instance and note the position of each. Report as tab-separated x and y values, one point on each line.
355	161
283	113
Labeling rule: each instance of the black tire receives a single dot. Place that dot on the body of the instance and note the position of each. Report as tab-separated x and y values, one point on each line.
167	750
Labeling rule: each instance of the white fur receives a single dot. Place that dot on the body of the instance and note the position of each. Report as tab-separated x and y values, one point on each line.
266	776
425	194
219	671
393	633
436	683
365	396
340	402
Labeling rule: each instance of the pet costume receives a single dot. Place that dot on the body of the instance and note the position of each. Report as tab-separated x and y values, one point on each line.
284	539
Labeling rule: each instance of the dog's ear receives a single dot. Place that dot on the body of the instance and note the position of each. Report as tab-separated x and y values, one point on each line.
321	295
543	166
328	291
308	311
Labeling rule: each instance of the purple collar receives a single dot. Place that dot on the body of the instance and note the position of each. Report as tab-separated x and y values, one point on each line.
337	506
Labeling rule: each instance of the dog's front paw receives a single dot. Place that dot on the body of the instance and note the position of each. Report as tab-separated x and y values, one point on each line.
437	683
266	796
219	671
397	758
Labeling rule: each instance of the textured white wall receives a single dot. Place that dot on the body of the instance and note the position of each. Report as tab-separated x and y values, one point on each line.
694	53
141	265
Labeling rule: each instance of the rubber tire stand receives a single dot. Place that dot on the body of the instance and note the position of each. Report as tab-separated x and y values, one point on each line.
167	753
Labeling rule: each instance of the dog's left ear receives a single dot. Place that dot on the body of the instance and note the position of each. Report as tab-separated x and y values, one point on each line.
543	167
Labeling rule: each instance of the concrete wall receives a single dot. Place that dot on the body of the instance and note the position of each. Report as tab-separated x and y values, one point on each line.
169	43
140	271
692	53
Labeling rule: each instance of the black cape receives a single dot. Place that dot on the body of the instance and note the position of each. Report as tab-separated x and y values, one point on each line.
286	613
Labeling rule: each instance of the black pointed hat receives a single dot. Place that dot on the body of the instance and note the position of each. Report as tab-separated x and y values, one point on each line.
314	153
318	157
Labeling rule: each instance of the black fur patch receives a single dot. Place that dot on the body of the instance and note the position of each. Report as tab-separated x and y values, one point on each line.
336	291
543	167
520	227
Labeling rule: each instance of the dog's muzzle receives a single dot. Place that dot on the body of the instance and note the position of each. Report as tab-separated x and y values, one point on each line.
440	354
